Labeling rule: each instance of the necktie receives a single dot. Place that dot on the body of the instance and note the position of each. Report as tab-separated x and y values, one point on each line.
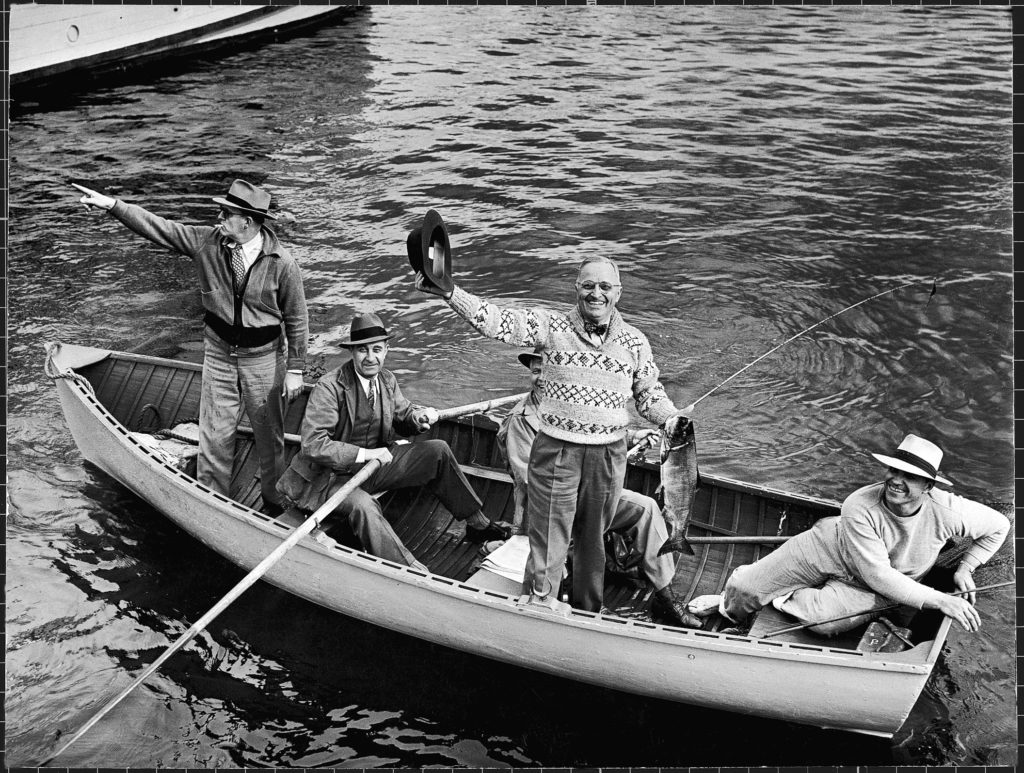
590	327
237	264
371	393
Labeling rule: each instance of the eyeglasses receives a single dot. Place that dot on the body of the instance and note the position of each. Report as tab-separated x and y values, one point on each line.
606	287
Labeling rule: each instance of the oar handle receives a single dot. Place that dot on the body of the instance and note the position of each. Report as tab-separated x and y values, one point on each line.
257	572
480	407
447	413
880	609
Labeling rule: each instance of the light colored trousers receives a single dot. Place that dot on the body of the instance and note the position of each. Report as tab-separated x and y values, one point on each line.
237	379
573	493
810	566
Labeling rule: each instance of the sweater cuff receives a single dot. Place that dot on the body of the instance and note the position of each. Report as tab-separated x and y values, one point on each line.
462	303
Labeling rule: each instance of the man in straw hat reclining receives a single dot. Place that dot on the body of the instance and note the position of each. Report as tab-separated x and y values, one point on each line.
251	288
887	537
353	415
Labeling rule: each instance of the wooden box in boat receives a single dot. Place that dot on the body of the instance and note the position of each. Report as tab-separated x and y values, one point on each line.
106	396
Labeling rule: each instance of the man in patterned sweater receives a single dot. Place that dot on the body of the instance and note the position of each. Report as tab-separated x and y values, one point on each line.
594	362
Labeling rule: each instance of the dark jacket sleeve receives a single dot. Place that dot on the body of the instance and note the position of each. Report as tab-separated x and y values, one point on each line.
404	420
186	239
325	411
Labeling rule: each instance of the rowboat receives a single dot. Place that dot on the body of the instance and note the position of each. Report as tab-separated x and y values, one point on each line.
114	402
49	41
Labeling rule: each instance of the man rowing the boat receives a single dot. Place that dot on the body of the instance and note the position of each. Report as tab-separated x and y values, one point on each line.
250	287
353	415
594	361
874	553
637	517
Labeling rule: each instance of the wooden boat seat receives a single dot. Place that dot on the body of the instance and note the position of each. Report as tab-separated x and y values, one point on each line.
485	579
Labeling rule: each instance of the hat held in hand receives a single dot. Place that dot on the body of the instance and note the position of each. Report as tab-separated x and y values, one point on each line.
430	254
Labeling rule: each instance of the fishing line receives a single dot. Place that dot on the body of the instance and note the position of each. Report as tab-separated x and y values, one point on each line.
807	330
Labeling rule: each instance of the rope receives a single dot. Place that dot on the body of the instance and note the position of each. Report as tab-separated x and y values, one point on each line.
51	370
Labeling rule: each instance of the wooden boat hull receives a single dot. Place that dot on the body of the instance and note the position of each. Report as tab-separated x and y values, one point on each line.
54	40
815	685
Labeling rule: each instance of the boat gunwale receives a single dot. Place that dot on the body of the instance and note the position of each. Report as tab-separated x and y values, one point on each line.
173	45
909	661
711	478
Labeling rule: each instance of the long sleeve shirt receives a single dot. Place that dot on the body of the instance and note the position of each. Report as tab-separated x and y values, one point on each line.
587	384
273	292
890	553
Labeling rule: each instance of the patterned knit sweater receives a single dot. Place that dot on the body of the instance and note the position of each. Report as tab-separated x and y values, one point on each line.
585	386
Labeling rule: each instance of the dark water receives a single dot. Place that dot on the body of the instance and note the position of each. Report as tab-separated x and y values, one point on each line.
754	170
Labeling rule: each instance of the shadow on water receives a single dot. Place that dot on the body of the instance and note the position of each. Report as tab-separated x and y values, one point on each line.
290	676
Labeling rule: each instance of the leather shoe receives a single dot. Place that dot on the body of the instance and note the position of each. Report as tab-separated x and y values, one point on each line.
491	531
668	608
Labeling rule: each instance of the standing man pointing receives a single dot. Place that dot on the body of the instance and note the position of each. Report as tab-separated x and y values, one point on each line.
250	287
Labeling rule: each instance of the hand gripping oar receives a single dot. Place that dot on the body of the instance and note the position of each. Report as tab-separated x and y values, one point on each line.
807	330
448	413
880	609
258	571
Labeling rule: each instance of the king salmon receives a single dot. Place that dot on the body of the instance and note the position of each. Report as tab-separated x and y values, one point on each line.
679	480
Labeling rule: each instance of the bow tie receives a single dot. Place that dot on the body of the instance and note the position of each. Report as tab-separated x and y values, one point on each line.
590	327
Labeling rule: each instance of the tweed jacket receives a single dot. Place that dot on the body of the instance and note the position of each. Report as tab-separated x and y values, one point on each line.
327	429
273	294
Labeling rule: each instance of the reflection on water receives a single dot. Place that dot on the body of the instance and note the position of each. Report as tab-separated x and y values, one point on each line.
752	171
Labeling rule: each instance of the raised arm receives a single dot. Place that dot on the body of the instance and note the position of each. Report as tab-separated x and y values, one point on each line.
185	239
518	327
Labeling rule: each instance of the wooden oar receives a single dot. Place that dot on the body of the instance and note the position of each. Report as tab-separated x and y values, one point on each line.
447	413
480	407
737	540
257	572
265	565
880	609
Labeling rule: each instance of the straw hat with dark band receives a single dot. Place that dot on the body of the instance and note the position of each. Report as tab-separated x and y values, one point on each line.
918	457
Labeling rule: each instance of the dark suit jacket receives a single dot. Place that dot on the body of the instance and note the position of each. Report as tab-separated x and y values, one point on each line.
327	428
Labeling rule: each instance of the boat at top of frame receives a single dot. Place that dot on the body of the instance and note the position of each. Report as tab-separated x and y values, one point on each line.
54	43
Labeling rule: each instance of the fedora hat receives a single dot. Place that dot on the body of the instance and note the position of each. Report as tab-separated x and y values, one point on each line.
430	251
366	329
247	198
917	456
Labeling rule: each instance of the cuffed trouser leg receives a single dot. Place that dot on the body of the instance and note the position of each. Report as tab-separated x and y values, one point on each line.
573	489
639	518
261	377
220	408
834	599
600	490
237	379
551	508
808	560
372	529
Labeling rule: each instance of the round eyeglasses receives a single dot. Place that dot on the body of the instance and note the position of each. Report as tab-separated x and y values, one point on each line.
605	287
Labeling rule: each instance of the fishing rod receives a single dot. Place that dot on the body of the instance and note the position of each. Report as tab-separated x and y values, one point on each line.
801	626
807	330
